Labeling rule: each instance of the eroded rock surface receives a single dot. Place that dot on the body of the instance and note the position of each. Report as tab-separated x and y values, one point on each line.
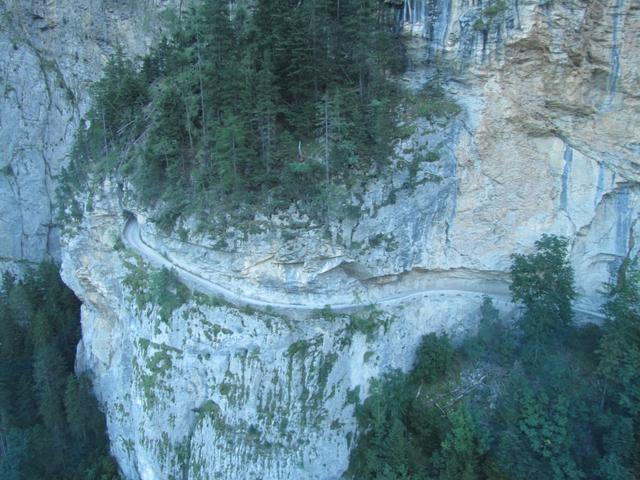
51	52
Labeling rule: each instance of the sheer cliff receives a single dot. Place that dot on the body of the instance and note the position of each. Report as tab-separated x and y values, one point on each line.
247	376
52	52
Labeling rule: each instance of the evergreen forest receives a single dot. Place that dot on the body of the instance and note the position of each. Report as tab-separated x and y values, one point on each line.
540	399
236	113
50	425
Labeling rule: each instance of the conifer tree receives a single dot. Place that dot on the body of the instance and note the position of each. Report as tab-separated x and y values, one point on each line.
37	407
463	447
266	112
543	282
49	376
619	348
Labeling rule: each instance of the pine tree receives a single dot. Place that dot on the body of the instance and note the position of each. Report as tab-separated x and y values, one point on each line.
231	153
434	357
334	129
49	376
217	59
14	454
266	112
10	356
463	448
543	282
37	355
121	96
619	349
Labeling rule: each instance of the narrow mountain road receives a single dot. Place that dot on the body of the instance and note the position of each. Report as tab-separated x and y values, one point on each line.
132	237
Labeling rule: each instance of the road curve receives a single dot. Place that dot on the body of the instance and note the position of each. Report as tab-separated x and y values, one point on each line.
131	237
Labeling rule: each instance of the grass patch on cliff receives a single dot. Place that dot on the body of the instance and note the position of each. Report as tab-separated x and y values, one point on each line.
432	102
368	322
154	288
494	10
153	369
488	15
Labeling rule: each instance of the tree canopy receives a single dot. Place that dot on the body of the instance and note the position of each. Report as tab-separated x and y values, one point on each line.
50	425
234	108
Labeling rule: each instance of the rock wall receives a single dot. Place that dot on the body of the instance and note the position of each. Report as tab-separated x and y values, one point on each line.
51	52
555	148
546	143
213	391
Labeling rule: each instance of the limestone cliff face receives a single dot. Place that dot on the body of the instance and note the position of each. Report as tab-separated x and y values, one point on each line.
546	143
215	391
51	52
554	146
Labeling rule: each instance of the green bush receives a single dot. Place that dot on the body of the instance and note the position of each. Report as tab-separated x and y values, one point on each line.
432	103
493	10
495	342
434	358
